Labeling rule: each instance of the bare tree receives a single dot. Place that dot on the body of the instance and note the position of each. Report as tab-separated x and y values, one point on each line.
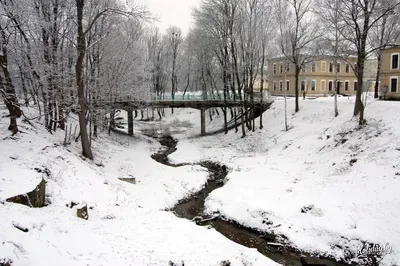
7	89
359	17
384	33
82	49
332	42
298	34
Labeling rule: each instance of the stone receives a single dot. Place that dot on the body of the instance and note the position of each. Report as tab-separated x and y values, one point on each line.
268	237
108	217
33	199
72	204
307	208
131	180
82	212
353	161
20	227
5	262
312	262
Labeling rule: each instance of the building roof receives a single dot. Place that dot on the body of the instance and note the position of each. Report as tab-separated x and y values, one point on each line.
391	46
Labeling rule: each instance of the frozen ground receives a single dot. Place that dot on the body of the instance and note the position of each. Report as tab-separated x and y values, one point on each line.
347	177
127	223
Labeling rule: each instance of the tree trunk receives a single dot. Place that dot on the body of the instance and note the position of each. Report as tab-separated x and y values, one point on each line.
81	49
359	106
378	73
296	88
236	128
10	98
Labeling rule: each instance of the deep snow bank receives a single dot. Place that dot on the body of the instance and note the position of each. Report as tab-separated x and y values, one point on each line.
127	223
349	177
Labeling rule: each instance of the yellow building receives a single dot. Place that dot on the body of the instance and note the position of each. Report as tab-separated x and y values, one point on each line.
390	73
317	78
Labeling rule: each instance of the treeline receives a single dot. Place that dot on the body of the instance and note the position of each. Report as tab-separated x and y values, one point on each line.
81	56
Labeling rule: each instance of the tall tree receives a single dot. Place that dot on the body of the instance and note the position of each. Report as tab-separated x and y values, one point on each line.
7	89
386	32
81	50
298	35
358	18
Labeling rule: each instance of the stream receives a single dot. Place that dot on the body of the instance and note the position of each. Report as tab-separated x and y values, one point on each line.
192	208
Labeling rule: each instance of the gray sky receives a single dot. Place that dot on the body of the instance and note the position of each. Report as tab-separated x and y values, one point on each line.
172	13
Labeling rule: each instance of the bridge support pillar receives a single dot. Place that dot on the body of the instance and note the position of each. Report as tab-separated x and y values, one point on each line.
203	121
130	122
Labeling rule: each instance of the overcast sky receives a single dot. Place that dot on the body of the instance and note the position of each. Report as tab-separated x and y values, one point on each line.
172	13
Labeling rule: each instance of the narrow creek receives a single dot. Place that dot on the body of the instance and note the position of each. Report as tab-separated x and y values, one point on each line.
192	208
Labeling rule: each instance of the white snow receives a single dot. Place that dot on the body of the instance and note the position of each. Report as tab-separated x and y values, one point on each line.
128	223
275	173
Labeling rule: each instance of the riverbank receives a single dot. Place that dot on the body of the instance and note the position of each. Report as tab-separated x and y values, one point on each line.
127	223
327	185
193	209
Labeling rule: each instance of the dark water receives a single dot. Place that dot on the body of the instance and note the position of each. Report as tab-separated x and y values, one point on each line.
192	208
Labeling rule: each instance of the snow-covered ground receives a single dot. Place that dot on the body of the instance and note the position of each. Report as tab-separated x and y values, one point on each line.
127	225
345	178
348	177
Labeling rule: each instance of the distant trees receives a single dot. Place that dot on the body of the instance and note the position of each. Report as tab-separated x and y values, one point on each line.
384	33
357	20
77	55
298	33
56	52
235	31
332	42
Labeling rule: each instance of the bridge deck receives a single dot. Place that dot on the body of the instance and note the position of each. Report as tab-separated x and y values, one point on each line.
189	102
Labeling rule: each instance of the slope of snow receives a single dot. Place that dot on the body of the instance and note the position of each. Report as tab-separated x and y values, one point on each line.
127	225
348	176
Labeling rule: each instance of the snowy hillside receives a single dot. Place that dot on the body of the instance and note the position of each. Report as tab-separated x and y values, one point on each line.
127	223
326	184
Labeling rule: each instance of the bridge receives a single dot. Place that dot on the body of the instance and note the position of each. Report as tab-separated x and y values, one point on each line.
189	101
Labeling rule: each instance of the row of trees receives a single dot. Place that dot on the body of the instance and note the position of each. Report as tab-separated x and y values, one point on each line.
83	55
238	36
70	55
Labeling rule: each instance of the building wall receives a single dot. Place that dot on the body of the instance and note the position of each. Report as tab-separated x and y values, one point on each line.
316	76
389	73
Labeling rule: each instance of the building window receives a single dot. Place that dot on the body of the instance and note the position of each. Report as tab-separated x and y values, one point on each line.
313	67
355	85
323	66
393	84
274	85
287	85
330	67
330	85
346	85
395	61
347	68
323	85
355	68
313	85
303	68
274	68
280	67
280	85
303	85
338	67
287	66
